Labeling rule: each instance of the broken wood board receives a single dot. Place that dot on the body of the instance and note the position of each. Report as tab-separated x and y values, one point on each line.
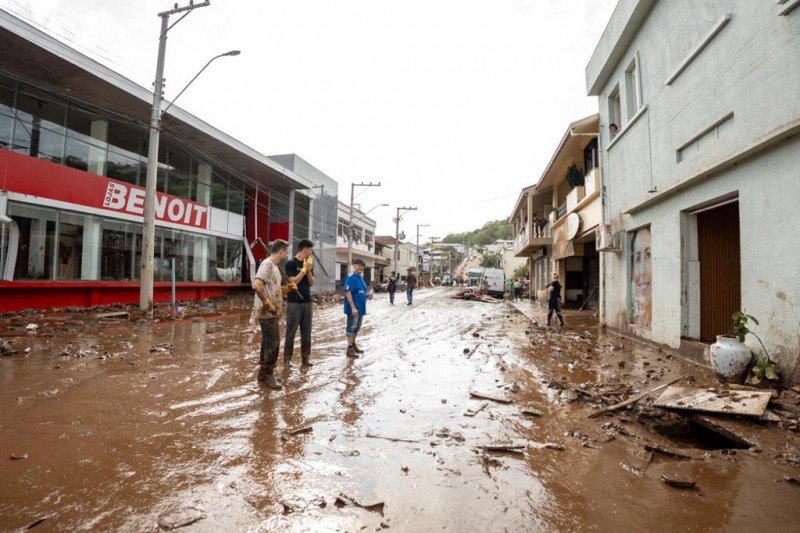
484	396
724	401
736	430
634	399
114	314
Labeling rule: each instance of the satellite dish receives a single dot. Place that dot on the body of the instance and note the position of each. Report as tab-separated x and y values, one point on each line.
401	236
573	225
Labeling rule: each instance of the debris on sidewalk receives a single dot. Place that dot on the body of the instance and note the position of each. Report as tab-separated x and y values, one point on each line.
391	439
484	396
298	431
714	400
678	482
474	411
6	348
343	500
505	448
474	295
532	412
635	398
114	314
667	452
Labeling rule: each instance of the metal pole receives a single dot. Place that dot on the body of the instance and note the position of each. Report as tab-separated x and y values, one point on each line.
397	234
149	226
173	286
350	222
149	230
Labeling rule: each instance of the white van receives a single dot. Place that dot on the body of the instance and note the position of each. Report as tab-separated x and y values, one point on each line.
495	281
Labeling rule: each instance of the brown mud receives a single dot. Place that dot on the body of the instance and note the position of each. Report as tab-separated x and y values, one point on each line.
119	426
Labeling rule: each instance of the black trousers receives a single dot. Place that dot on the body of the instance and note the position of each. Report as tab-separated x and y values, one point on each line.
554	306
298	315
270	344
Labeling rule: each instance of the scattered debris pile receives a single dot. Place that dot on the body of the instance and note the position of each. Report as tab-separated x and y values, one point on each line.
474	295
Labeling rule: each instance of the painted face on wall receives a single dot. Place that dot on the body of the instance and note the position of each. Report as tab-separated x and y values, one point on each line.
641	281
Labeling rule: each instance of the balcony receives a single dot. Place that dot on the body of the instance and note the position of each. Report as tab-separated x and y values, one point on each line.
527	243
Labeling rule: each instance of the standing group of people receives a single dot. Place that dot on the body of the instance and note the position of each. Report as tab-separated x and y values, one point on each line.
411	284
271	285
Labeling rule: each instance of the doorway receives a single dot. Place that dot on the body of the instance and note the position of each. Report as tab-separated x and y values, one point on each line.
720	269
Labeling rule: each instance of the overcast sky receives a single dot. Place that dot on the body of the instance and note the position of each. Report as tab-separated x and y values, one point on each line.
453	105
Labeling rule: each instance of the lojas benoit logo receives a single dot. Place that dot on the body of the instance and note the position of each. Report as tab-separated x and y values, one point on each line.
131	200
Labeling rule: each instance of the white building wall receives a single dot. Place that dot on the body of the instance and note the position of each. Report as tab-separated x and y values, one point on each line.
727	125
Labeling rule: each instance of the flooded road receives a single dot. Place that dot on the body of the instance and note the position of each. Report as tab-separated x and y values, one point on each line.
141	428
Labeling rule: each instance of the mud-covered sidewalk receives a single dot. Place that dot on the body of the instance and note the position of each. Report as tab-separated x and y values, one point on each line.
461	416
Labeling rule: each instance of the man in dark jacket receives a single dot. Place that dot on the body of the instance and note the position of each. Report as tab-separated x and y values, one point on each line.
411	284
392	287
300	308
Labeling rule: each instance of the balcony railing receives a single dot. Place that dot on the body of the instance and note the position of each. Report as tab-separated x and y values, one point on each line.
562	210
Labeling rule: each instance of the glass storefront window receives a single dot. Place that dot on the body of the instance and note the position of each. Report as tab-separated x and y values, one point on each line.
219	191
179	182
229	260
6	112
236	197
38	128
70	247
87	138
37	238
118	249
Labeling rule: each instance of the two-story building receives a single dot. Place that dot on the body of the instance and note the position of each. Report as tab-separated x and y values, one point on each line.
700	170
555	221
403	255
360	240
73	160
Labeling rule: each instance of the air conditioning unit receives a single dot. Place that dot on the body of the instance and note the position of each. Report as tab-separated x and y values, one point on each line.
606	240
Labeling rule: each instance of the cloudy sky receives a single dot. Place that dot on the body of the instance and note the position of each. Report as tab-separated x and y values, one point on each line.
453	105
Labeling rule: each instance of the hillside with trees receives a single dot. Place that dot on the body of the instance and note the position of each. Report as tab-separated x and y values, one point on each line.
490	232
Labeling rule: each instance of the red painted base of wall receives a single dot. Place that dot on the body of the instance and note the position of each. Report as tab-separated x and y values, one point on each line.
18	295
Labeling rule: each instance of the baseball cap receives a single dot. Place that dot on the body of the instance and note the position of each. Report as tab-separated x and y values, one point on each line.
359	262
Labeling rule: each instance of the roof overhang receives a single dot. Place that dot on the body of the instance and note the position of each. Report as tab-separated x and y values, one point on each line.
576	137
32	55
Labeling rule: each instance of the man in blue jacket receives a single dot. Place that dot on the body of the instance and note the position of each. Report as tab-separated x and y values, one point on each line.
355	305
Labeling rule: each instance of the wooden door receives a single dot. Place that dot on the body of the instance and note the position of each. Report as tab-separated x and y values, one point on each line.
720	269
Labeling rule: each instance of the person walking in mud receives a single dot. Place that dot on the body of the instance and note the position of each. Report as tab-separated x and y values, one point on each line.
267	286
554	300
411	284
392	287
355	306
300	308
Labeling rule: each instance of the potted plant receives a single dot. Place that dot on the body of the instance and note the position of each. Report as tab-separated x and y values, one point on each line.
574	176
730	356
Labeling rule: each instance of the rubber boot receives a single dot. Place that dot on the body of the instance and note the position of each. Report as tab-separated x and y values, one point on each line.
351	352
287	358
307	360
262	375
272	383
356	348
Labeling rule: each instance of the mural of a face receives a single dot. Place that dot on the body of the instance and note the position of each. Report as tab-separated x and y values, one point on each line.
641	277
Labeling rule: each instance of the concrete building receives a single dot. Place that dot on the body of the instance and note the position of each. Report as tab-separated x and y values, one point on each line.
73	159
363	245
405	252
700	179
555	221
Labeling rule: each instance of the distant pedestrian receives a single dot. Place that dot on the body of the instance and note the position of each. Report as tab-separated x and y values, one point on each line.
411	284
554	300
518	290
511	288
269	308
300	308
355	306
392	287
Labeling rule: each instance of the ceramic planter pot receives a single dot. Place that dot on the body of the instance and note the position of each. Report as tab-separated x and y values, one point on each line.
729	357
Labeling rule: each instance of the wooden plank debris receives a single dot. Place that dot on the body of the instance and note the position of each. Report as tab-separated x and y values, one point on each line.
715	400
634	399
114	314
484	396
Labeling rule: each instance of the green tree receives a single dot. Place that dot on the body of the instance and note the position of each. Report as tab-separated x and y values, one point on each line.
490	232
489	261
521	272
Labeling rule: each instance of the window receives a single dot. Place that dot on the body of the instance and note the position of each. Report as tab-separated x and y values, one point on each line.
219	191
39	127
633	87
343	228
6	112
126	156
614	112
117	251
228	267
179	179
87	141
37	238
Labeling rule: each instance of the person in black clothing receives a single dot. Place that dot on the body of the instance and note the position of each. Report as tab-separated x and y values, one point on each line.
300	308
392	288
554	300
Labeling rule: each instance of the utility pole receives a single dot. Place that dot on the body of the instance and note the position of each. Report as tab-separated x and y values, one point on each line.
433	241
350	222
419	257
397	234
149	229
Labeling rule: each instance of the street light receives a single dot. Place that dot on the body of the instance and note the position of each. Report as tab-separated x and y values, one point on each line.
231	53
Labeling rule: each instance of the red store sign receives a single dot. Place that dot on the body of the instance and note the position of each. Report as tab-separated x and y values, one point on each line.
35	177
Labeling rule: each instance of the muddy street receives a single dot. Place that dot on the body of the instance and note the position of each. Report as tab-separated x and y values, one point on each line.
114	425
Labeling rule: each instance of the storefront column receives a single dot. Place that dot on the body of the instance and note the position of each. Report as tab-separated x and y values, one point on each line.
201	259
98	151
90	262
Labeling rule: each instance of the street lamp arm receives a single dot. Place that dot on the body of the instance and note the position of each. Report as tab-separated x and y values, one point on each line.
231	53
